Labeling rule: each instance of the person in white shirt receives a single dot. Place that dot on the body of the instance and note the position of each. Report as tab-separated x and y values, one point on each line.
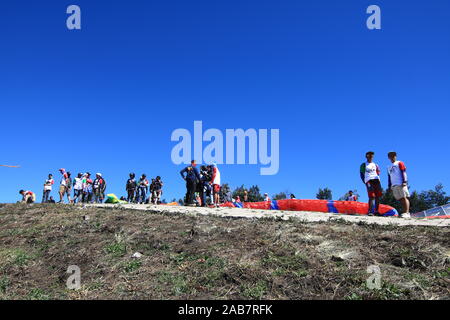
78	188
370	176
215	181
48	184
398	182
351	196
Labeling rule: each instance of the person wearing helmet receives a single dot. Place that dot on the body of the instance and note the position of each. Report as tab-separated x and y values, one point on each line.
142	189
157	190
99	187
131	187
205	187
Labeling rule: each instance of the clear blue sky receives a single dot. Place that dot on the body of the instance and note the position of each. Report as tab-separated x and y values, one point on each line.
107	98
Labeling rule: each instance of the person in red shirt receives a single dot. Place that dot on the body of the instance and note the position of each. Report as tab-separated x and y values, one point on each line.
28	196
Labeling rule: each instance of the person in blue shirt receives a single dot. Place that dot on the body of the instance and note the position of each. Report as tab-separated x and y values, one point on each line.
191	175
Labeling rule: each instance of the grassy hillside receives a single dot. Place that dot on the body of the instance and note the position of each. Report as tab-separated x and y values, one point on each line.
212	258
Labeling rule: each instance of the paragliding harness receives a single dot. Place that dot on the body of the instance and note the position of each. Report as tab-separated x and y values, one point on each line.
131	189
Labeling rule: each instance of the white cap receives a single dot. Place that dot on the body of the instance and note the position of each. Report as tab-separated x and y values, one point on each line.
98	174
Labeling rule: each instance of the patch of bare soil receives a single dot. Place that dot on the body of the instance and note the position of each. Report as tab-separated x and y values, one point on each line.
206	257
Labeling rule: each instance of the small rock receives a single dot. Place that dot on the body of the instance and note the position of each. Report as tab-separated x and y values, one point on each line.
137	255
85	218
336	258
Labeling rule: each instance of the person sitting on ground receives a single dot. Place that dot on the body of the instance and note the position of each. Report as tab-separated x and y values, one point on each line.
398	183
351	196
370	175
28	196
131	187
51	200
48	184
191	175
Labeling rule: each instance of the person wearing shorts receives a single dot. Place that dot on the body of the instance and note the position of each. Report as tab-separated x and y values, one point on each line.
63	184
215	182
370	175
398	183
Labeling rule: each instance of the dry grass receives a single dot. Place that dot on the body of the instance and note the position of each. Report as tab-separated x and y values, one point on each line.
208	257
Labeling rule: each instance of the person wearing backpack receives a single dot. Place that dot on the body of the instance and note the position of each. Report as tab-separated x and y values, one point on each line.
99	187
157	190
191	175
131	188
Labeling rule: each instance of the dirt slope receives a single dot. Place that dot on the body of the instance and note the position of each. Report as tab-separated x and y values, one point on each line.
210	257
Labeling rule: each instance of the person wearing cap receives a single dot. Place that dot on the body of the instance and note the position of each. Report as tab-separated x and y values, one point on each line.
398	183
99	186
62	185
266	197
370	176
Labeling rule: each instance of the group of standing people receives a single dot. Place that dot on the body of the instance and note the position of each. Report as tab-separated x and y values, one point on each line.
137	190
85	189
206	183
397	182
